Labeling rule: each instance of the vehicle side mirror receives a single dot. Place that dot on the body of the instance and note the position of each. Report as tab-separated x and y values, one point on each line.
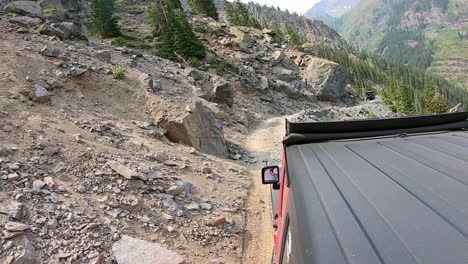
270	175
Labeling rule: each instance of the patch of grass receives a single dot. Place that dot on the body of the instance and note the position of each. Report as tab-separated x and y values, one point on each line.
224	67
42	29
118	41
194	62
53	11
119	71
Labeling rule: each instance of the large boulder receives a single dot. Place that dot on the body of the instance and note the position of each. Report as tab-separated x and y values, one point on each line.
25	8
327	79
223	93
200	129
129	250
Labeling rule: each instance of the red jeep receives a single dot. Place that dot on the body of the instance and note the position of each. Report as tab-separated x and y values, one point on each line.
373	191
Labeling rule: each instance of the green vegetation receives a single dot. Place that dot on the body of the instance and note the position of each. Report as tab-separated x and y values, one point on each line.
295	39
194	62
238	14
225	67
105	24
119	71
175	38
42	29
204	8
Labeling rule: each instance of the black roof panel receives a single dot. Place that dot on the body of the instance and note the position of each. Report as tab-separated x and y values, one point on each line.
385	200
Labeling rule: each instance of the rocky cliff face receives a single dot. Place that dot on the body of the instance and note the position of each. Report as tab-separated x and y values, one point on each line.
430	34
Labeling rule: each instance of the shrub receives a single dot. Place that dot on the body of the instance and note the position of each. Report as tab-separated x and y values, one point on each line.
119	71
194	62
42	29
105	24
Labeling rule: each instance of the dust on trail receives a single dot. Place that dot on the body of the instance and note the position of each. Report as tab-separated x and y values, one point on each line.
265	144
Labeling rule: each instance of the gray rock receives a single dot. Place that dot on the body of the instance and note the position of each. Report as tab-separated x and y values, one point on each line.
103	55
327	79
146	82
50	51
206	206
277	57
16	227
199	129
181	187
54	83
206	170
192	206
197	75
283	73
38	185
72	5
244	40
64	30
25	21
126	172
223	93
129	250
41	95
12	208
51	151
170	204
457	109
27	252
25	8
76	71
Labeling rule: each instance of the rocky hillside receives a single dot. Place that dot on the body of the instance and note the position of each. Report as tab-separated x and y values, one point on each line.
109	153
427	33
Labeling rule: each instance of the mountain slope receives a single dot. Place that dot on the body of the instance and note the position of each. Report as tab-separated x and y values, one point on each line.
426	33
330	10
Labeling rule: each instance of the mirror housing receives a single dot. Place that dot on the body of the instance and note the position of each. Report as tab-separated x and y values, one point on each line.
271	175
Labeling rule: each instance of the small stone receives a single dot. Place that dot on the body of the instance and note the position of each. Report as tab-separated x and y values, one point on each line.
220	220
54	83
49	181
181	187
170	163
206	206
116	190
12	208
103	55
51	151
50	51
38	185
192	206
13	176
75	71
206	170
12	166
16	227
41	95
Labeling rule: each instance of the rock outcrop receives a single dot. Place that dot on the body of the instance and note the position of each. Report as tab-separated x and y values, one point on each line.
25	8
200	129
326	79
223	93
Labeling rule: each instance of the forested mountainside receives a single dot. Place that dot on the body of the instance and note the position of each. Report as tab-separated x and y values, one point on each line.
431	34
330	10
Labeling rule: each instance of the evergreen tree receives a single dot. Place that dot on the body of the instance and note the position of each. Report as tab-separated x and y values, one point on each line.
175	38
105	24
238	14
204	8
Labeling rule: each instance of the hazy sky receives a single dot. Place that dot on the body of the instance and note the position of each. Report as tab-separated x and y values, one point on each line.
299	6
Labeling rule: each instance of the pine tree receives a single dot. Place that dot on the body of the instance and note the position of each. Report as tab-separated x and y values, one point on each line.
204	8
175	39
105	24
238	14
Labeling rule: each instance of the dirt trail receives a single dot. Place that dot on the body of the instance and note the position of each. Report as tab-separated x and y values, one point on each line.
265	144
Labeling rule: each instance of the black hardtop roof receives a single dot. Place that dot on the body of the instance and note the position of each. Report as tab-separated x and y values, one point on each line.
302	133
381	200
